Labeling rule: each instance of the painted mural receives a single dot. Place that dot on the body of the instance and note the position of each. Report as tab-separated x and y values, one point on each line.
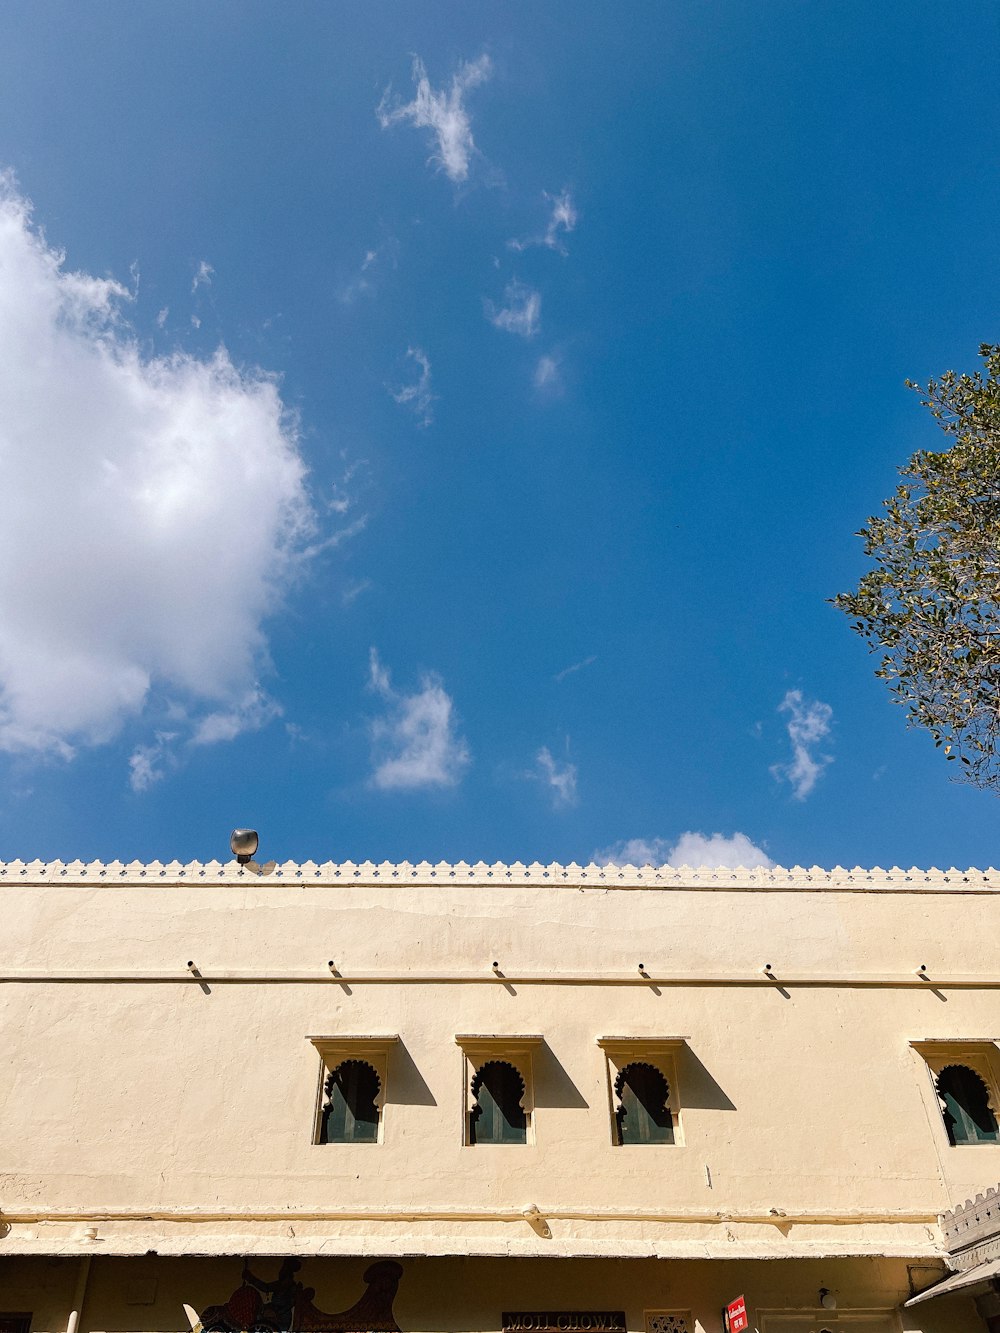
284	1304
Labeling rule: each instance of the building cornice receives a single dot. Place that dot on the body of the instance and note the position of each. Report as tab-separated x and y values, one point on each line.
569	1232
462	873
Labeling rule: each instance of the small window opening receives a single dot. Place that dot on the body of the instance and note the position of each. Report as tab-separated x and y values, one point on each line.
643	1115
498	1115
350	1113
965	1099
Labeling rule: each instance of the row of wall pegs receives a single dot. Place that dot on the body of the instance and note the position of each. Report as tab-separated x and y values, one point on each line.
767	970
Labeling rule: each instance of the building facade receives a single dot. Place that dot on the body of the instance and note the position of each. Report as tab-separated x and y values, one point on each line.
540	1099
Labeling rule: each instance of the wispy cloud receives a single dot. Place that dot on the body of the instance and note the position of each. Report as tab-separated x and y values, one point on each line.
417	395
203	277
548	377
808	724
575	666
353	590
250	713
344	490
441	111
521	313
691	849
559	777
150	583
148	764
415	743
563	218
366	276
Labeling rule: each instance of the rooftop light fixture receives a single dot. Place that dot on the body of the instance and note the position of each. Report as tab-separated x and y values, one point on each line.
244	843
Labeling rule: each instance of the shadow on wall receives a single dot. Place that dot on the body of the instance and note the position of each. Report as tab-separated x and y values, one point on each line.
552	1085
698	1088
406	1086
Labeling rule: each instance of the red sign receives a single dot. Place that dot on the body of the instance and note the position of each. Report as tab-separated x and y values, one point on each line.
736	1316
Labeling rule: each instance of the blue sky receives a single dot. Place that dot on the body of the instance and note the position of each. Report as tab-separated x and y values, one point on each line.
434	431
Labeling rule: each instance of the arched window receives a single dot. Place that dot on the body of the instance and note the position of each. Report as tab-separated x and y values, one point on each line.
350	1113
497	1115
965	1101
643	1115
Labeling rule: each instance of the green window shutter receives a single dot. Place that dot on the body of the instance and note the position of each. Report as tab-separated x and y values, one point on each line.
643	1115
351	1112
497	1115
968	1116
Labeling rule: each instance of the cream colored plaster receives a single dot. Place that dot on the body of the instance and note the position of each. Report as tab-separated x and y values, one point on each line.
174	1108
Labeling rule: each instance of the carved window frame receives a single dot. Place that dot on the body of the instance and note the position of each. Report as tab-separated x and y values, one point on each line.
478	1049
372	1050
660	1052
978	1054
668	1321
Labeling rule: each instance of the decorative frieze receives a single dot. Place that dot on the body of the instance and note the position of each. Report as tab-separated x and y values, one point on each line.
972	1230
758	878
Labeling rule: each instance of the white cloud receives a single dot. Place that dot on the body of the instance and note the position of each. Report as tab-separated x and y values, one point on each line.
808	723
416	743
154	512
547	374
562	220
575	666
417	396
561	778
203	278
442	112
148	763
521	313
691	849
353	591
366	279
250	713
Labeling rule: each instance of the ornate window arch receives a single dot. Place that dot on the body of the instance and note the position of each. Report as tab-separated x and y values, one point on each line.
966	1108
497	1113
498	1087
642	1083
351	1111
643	1113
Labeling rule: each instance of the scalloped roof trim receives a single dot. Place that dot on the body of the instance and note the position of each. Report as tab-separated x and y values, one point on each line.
516	873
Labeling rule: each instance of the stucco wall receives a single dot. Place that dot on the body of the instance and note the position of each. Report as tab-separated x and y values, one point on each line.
173	1110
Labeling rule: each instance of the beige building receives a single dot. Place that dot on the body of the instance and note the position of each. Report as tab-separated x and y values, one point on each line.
488	1098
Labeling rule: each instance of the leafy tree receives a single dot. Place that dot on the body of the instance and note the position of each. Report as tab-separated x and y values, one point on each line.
931	605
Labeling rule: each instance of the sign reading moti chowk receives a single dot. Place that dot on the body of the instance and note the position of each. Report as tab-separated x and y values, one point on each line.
564	1321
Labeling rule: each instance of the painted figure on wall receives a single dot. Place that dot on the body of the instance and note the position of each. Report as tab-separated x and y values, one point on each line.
284	1305
282	1294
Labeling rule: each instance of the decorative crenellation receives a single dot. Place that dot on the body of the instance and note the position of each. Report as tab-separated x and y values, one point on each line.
972	1230
517	873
